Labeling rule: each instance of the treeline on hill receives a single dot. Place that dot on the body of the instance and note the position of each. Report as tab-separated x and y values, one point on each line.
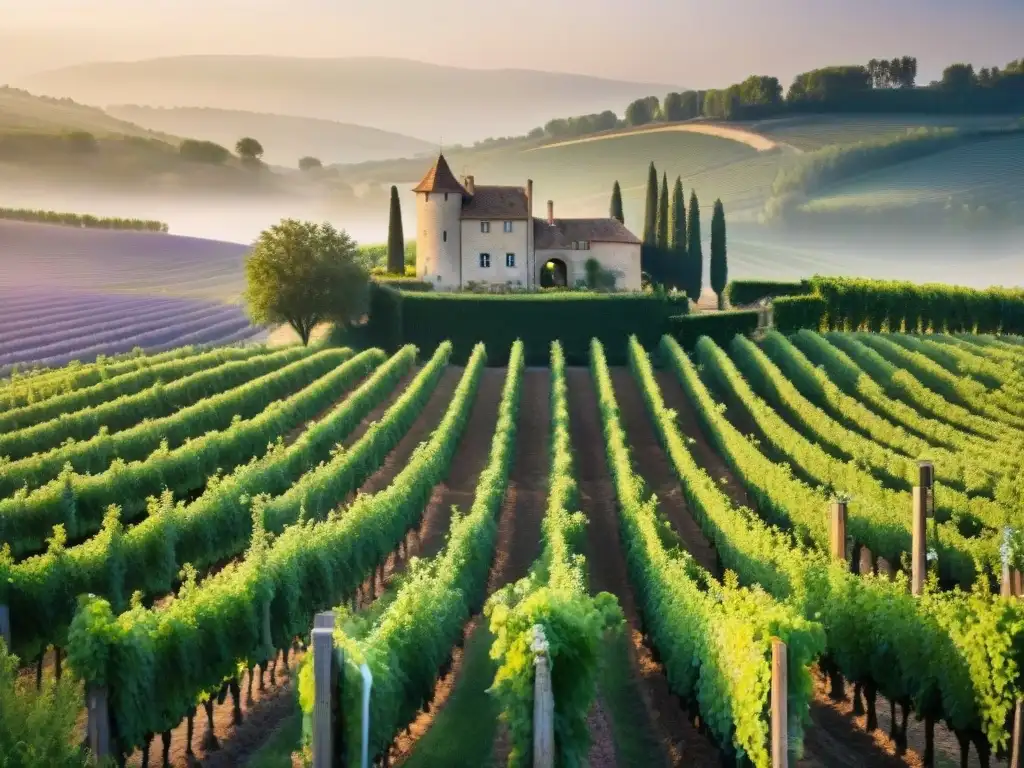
880	86
85	220
812	172
672	254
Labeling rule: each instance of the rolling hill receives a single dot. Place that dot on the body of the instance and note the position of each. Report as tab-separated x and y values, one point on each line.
21	111
285	138
407	97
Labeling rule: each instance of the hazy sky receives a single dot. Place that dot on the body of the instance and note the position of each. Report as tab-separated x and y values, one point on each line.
684	42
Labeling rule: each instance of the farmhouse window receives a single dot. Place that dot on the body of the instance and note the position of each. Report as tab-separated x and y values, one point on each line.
446	197
510	259
485	260
584	245
485	226
508	226
444	236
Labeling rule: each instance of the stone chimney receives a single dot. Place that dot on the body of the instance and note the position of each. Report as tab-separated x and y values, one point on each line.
551	212
470	185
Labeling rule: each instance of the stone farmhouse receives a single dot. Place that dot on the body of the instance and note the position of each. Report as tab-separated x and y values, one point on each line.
468	233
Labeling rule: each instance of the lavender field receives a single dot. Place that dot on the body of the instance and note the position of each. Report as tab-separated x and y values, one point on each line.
51	327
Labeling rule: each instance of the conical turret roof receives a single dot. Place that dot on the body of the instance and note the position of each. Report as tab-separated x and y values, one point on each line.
440	179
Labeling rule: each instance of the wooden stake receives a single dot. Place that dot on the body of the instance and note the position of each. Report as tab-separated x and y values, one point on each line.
98	721
323	690
838	530
780	715
867	561
1016	760
543	704
919	561
1006	581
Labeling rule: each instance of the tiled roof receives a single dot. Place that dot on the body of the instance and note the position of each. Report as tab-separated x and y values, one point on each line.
440	179
564	232
494	202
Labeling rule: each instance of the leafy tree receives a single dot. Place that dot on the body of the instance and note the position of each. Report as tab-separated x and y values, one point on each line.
651	209
719	266
203	152
694	255
615	209
672	107
958	77
663	214
309	163
642	111
303	273
82	142
249	149
396	240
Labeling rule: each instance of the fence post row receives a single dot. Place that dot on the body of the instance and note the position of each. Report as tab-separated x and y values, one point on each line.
324	687
543	703
779	713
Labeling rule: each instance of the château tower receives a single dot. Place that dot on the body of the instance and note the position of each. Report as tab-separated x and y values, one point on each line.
439	199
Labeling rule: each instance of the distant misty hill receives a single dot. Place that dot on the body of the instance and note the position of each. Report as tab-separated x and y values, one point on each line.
285	138
407	97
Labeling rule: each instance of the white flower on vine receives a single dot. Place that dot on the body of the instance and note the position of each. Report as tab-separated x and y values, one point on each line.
932	556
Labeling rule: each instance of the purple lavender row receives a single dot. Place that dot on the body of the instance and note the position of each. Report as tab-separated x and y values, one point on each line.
152	341
13	309
212	336
60	343
94	320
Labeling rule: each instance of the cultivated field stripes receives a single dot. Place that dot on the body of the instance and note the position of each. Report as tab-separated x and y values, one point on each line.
42	590
905	386
951	468
920	651
409	641
79	502
154	402
126	384
40	384
892	470
21	311
724	628
48	345
237	618
33	321
859	382
880	518
968	393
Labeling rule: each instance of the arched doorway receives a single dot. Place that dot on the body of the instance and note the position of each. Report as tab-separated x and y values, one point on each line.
554	274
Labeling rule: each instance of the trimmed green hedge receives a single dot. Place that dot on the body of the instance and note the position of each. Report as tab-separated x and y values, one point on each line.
721	327
742	292
572	318
875	305
791	313
411	284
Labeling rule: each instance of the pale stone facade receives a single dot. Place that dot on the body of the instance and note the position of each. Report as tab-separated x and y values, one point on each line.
487	234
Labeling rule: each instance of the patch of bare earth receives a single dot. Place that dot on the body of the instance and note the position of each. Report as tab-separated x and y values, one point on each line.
518	542
836	736
681	742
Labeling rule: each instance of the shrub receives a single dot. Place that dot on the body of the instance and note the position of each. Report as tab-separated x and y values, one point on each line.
742	292
791	313
572	318
721	327
204	152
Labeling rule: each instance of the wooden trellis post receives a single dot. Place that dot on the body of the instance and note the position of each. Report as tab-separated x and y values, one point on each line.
779	713
98	723
324	687
5	625
922	507
543	703
837	531
1016	760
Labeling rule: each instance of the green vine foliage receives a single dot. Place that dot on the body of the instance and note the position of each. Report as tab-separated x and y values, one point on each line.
216	526
36	385
714	638
406	641
157	664
879	518
80	500
954	655
555	596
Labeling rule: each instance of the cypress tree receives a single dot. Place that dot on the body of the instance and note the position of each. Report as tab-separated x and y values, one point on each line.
719	266
396	240
616	205
651	210
663	214
677	234
695	257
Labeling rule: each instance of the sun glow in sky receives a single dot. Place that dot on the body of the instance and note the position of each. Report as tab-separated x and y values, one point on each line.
699	44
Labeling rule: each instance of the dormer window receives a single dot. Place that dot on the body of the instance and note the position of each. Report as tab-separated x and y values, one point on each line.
485	227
